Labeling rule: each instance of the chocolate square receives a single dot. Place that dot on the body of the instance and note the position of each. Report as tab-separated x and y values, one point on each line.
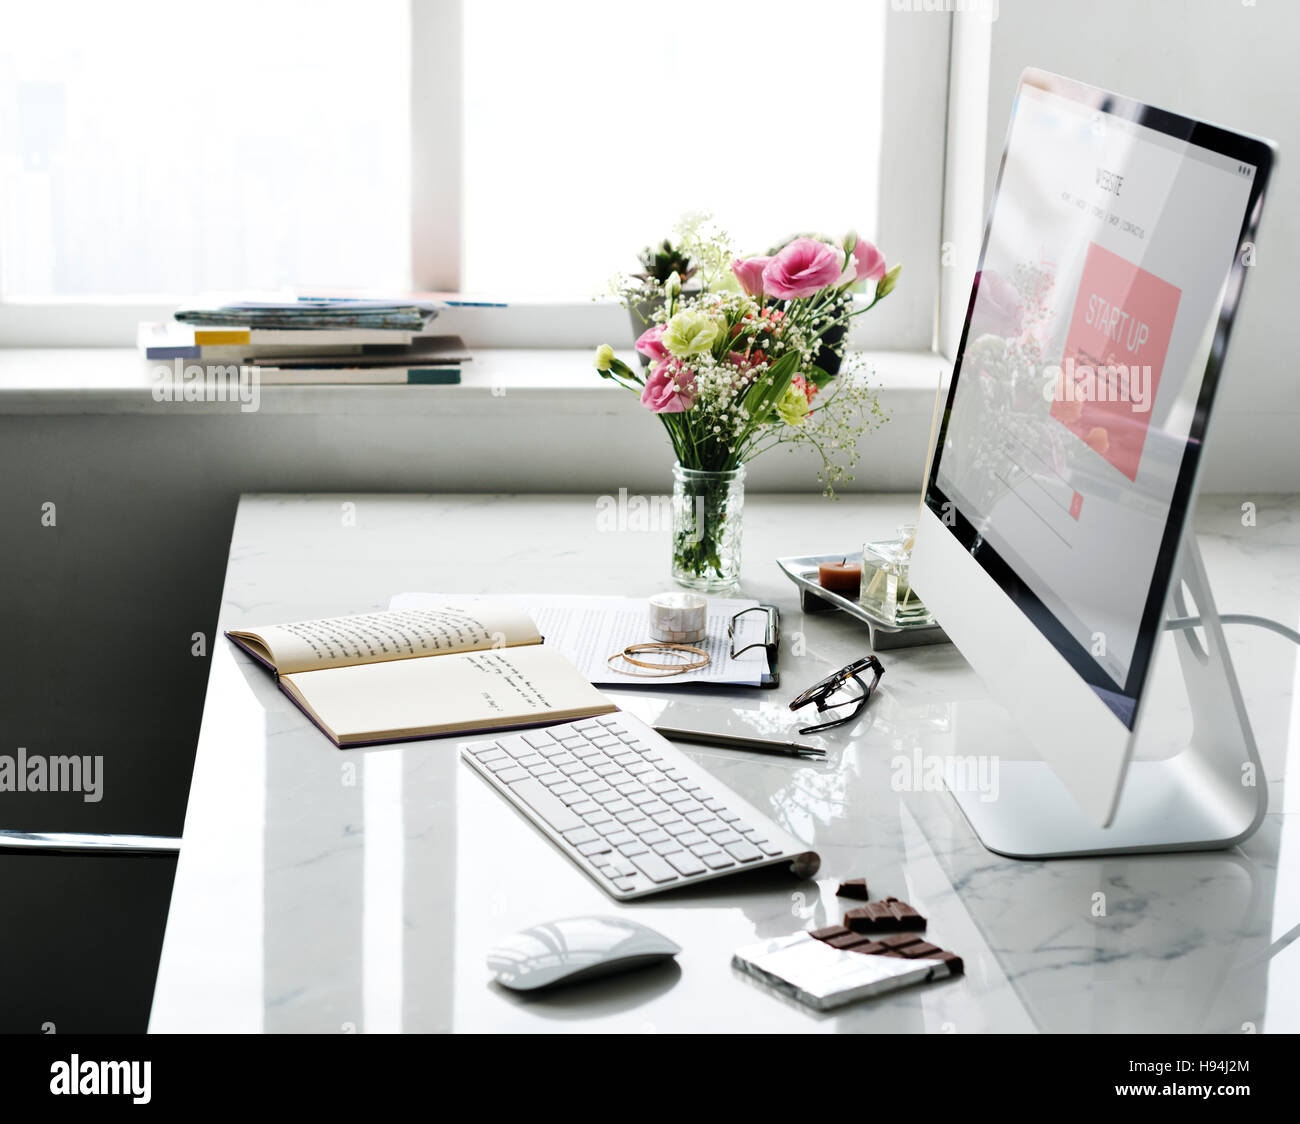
921	950
900	940
853	888
828	932
848	940
870	947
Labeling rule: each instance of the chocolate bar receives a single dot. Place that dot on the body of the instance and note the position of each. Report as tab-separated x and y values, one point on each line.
853	888
848	940
889	916
900	945
828	932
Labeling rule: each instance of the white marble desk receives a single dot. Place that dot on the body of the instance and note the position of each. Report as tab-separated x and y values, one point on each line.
326	890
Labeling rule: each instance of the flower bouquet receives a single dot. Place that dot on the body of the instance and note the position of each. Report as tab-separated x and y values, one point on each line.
733	373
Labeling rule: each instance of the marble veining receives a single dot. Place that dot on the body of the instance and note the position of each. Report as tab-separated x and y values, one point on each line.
331	891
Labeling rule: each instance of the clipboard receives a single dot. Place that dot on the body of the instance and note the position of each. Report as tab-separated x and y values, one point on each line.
771	641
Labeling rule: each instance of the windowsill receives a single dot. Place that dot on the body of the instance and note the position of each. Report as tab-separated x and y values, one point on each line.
119	381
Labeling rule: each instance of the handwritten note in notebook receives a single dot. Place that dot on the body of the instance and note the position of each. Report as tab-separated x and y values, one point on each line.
590	629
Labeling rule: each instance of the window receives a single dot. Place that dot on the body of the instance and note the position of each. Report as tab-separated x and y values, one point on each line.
635	115
151	150
164	148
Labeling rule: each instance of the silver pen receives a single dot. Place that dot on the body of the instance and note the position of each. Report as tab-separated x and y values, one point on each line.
736	741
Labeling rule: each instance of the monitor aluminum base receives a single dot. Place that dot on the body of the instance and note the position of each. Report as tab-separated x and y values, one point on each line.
1209	796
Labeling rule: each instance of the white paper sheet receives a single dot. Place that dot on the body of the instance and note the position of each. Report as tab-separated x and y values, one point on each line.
590	629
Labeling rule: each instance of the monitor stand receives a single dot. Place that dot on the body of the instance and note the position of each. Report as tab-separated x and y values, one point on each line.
1210	795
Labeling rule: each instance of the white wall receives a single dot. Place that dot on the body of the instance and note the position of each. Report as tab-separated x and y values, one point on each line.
1225	61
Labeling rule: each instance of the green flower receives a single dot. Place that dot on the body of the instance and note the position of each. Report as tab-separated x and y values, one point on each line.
792	407
690	333
604	357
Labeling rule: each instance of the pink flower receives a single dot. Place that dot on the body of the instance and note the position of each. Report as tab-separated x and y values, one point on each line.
997	308
803	268
809	388
868	262
750	274
670	389
650	343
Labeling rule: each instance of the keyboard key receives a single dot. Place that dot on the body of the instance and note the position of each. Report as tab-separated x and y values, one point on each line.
685	863
619	779
654	807
485	751
605	796
623	869
562	788
722	838
666	816
503	762
660	784
585	777
743	828
571	768
586	725
550	777
578	798
628	815
618	838
604	768
700	816
680	828
641	826
714	805
531	761
654	836
641	770
546	806
585	807
631	787
619	805
742	852
769	848
587	752
676	798
562	758
580	835
712	827
606	742
691	838
625	759
538	738
624	885
510	776
608	721
654	868
691	786
636	847
600	822
715	860
674	774
668	848
728	817
550	752
595	847
643	798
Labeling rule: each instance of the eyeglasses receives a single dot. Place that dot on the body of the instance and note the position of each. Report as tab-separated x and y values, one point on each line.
821	691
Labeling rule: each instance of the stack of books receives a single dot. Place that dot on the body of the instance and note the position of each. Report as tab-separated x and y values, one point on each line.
312	340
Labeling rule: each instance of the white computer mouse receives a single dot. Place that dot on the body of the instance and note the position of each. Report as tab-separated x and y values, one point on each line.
575	949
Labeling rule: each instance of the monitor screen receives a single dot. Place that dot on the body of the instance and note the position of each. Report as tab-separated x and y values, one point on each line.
1111	265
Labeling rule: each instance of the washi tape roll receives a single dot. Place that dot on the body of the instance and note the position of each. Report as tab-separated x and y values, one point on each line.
678	618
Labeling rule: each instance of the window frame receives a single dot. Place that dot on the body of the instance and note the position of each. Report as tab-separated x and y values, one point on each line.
910	225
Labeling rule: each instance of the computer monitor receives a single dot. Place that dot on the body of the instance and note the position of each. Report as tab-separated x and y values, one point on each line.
1066	464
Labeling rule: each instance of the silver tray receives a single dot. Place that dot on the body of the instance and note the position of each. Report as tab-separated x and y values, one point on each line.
814	599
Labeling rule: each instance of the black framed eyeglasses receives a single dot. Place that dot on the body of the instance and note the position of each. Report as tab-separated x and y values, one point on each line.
821	691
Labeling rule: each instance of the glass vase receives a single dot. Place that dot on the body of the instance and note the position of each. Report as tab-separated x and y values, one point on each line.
708	509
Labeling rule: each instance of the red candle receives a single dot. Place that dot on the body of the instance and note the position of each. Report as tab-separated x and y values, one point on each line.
840	577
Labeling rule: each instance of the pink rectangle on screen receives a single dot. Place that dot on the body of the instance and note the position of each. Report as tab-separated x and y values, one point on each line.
1122	321
1076	506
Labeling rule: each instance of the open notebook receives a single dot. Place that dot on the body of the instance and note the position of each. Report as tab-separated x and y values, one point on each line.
419	673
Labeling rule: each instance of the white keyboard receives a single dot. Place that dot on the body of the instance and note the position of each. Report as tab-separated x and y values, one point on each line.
633	811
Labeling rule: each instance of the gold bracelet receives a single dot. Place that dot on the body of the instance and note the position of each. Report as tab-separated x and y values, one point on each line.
658	670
